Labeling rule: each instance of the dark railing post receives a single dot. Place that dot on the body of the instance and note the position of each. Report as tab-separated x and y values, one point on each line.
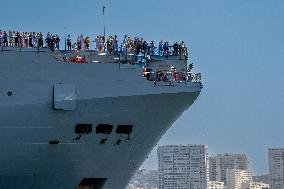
65	43
118	60
185	78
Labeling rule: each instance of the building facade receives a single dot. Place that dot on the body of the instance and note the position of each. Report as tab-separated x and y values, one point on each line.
276	167
215	185
183	166
255	185
220	163
236	177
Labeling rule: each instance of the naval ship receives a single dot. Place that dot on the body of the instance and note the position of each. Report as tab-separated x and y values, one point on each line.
85	120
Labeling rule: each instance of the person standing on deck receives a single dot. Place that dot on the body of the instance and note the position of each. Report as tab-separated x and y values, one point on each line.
87	43
152	48
22	39
26	38
57	40
97	43
5	39
82	40
78	43
30	39
34	39
1	38
48	40
124	42
13	38
101	44
40	40
69	43
10	38
166	48
75	47
182	48
17	39
145	48
161	48
115	44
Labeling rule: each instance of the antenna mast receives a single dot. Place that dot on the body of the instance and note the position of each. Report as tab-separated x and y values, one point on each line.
104	7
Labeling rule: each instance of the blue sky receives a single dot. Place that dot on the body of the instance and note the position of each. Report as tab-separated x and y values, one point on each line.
237	45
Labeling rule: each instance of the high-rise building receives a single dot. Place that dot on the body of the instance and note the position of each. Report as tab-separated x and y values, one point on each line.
276	167
236	177
220	163
183	166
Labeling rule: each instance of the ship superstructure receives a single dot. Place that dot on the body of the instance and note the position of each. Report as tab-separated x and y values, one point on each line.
71	125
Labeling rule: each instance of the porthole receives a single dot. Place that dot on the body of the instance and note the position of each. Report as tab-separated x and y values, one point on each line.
9	93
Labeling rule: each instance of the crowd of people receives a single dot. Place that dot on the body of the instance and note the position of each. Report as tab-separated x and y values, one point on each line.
28	39
165	75
52	41
21	39
110	44
139	45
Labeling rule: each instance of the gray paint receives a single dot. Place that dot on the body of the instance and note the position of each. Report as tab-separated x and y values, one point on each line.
105	94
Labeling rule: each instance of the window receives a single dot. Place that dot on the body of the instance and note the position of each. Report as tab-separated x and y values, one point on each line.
83	128
104	129
93	182
124	129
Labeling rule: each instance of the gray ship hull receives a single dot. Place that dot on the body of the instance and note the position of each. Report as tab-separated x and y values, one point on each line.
106	94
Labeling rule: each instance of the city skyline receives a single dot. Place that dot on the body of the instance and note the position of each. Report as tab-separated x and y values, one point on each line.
190	166
243	158
238	47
